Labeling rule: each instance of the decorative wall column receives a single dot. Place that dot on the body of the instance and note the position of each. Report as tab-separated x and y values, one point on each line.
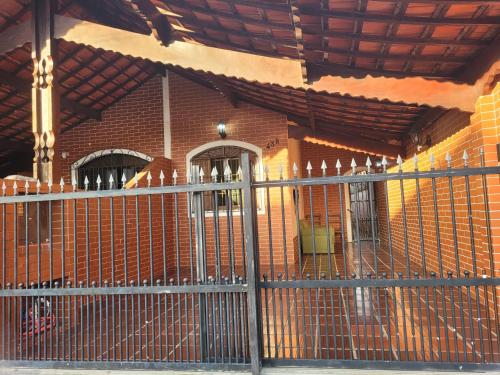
45	100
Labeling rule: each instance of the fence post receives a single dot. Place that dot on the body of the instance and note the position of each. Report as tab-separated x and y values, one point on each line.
249	213
201	268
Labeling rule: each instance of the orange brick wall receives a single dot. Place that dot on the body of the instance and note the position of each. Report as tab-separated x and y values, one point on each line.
482	132
134	123
195	111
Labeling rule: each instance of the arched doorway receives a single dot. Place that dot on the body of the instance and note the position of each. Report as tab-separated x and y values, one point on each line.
361	210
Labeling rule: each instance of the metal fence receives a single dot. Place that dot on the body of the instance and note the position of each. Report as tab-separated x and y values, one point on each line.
149	277
419	292
139	277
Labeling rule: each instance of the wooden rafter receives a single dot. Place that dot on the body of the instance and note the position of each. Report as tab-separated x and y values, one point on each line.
410	20
360	143
202	10
399	10
159	25
397	57
23	87
113	91
390	39
224	89
15	37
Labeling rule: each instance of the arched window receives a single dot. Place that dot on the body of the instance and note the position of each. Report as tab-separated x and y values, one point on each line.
108	163
221	154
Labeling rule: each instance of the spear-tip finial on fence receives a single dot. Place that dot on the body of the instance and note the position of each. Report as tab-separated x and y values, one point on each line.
240	173
202	175
136	179
214	174
14	187
448	159
266	172
368	164
465	156
295	169
61	184
323	168
400	163
149	177
26	187
415	161
38	186
384	163
309	168
73	183
353	166
228	173
162	176
49	185
111	181
4	188
281	171
124	180
98	181
86	183
432	160
338	165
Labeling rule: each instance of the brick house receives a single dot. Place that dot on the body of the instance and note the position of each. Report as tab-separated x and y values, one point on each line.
355	119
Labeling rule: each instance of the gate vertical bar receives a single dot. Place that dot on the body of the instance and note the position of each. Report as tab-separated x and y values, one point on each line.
249	233
200	262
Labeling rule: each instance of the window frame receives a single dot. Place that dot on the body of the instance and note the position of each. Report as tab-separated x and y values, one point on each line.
248	147
101	153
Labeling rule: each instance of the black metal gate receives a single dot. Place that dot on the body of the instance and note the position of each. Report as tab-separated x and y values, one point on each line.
150	277
424	296
144	277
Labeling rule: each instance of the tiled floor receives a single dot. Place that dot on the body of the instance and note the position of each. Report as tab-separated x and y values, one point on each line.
322	323
421	324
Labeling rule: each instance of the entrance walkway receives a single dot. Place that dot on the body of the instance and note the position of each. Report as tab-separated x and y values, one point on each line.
432	324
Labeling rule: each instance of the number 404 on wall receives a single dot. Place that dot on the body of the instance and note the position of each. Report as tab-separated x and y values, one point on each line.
272	143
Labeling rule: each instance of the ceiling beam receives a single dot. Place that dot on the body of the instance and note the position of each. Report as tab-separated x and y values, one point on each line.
408	20
24	88
9	145
398	39
15	37
395	57
481	63
157	22
340	139
224	89
297	30
210	13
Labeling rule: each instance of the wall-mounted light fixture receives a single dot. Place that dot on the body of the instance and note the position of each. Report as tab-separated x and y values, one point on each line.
221	128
